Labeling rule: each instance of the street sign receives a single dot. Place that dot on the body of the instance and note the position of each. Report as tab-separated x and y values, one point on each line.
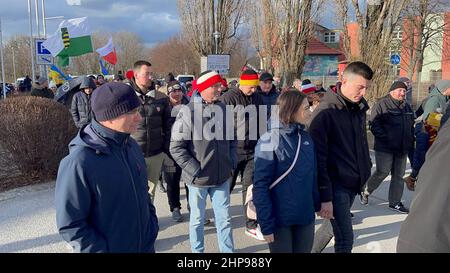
43	56
395	59
220	63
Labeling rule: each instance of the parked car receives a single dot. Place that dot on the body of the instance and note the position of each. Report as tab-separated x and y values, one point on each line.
185	78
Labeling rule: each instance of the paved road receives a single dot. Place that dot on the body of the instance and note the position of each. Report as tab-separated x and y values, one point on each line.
27	224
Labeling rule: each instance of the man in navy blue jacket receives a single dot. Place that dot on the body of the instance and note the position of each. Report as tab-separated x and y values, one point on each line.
102	200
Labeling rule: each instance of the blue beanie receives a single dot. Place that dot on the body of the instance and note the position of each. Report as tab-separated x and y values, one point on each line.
113	99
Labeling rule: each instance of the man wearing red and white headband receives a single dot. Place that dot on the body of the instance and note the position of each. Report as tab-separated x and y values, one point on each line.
246	96
207	162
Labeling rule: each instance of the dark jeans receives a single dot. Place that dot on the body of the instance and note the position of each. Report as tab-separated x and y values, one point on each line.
323	236
293	239
388	163
411	155
171	175
245	170
342	222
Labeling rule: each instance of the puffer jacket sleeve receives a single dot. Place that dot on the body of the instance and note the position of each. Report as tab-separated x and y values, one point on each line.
74	111
263	177
167	126
179	144
73	202
376	123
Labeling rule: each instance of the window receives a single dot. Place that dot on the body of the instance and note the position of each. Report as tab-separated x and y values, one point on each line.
331	37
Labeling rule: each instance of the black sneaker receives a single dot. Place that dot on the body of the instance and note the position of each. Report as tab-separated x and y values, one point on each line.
176	215
364	198
399	208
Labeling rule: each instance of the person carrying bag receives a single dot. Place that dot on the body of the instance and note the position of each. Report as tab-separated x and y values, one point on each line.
286	211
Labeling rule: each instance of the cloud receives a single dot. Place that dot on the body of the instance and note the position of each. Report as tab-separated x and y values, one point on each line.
73	2
153	20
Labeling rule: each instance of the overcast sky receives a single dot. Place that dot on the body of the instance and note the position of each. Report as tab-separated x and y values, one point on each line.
153	20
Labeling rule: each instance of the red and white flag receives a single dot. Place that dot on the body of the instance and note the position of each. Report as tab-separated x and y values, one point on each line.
308	88
108	52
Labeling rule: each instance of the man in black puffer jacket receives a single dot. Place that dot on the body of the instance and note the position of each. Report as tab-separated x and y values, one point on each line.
153	132
392	124
81	103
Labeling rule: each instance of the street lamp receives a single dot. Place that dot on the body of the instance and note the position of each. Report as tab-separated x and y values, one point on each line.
216	39
31	41
14	59
44	26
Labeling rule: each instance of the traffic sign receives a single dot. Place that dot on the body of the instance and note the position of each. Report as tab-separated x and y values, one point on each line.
43	56
220	63
395	59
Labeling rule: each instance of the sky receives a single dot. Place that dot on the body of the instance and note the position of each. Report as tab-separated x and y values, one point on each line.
153	20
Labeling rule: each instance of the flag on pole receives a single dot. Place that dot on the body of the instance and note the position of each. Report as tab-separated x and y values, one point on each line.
73	38
108	52
103	68
55	72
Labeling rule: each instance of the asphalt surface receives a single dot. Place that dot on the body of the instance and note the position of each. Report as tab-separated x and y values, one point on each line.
27	223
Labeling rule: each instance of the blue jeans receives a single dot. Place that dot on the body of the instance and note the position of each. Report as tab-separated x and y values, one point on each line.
342	222
293	239
220	200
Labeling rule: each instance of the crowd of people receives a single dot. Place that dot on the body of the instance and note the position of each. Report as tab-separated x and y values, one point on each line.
309	157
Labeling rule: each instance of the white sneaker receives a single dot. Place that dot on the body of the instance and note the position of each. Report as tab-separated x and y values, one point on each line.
255	233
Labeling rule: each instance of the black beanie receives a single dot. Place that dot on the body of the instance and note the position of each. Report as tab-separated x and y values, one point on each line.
396	85
113	99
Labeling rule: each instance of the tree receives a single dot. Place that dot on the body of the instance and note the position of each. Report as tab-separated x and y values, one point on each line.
281	33
202	18
19	47
295	32
265	36
238	57
424	26
376	22
174	55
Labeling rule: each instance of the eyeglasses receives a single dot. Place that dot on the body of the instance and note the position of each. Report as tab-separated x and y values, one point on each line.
174	88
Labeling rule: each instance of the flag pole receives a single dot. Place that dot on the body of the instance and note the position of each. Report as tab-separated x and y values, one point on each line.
44	28
1	55
31	42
